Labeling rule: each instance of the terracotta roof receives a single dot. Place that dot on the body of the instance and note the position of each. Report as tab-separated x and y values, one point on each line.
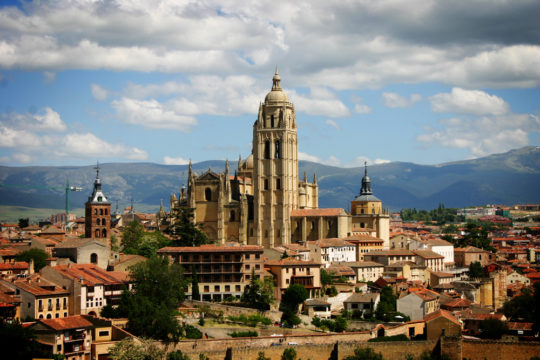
332	242
441	313
75	243
363	237
458	303
45	241
318	212
290	261
92	274
37	286
361	264
66	323
428	254
9	252
17	265
439	242
391	253
52	230
341	270
295	247
519	326
315	302
362	298
210	249
468	249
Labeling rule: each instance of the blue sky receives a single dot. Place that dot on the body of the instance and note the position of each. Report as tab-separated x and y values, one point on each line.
168	81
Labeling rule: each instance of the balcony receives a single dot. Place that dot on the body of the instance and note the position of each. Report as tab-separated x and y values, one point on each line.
74	338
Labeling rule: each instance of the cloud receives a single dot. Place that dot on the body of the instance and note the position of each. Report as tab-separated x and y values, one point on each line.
151	114
333	124
483	135
474	102
361	160
90	146
320	101
394	100
99	93
167	160
46	120
49	77
359	107
331	160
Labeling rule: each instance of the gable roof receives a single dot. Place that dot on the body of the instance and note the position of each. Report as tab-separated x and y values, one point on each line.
67	323
77	242
362	298
441	313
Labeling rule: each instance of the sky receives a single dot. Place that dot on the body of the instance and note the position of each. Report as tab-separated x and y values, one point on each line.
167	81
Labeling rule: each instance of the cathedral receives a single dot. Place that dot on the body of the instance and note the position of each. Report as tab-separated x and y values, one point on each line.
264	201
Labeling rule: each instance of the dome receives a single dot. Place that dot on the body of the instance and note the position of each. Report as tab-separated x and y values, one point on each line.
276	94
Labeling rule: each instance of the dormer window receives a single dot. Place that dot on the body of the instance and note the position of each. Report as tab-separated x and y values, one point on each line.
100	198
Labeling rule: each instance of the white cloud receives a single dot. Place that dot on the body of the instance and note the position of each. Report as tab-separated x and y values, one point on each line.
151	114
46	120
359	107
483	135
474	102
331	160
99	93
394	100
22	158
167	160
320	101
361	160
90	146
333	124
49	77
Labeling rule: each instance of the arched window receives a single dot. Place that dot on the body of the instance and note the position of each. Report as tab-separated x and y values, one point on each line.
232	216
278	184
98	221
277	152
49	316
104	232
93	258
106	211
251	232
41	316
272	121
265	184
267	149
373	211
100	211
95	211
208	194
97	233
103	222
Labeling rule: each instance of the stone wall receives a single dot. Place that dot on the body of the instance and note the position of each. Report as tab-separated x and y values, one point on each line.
235	310
499	350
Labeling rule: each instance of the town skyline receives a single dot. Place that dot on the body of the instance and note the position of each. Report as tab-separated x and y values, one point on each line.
373	83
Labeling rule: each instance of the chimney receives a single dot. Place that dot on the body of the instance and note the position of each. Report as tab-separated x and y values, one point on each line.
31	267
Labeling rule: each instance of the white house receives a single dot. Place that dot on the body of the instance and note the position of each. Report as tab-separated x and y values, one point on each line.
327	251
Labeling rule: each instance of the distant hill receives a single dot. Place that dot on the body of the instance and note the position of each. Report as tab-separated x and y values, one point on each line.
509	178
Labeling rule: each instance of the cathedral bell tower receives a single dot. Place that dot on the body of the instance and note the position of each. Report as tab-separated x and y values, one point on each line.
98	214
275	168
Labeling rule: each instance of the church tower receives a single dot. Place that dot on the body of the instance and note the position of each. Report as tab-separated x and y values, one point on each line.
275	168
98	214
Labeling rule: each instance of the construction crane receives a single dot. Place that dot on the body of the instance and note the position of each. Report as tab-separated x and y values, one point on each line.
67	189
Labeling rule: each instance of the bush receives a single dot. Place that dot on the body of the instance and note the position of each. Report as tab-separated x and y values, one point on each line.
201	321
244	334
192	332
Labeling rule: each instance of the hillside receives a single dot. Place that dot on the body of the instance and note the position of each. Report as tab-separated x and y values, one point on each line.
508	178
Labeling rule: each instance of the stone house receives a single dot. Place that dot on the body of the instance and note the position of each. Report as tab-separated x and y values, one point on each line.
363	303
291	271
418	304
441	322
366	270
84	251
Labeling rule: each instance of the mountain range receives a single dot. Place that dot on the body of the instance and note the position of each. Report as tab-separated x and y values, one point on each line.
508	178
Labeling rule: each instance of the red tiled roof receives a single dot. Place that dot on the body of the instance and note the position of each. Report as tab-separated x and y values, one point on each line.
458	303
66	323
362	237
318	212
210	249
519	326
290	261
37	286
332	242
18	265
92	274
444	313
428	254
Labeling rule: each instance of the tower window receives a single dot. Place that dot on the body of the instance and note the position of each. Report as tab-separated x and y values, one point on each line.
277	153
208	194
100	211
232	216
272	121
265	184
267	149
106	212
95	211
97	233
93	258
362	211
98	222
362	225
100	199
278	184
251	232
104	233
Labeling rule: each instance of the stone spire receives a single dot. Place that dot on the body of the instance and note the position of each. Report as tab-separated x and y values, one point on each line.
314	178
366	183
97	194
276	81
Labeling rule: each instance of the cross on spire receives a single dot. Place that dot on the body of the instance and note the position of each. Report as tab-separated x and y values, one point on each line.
97	170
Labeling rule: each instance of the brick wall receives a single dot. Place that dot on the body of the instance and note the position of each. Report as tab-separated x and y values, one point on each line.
498	350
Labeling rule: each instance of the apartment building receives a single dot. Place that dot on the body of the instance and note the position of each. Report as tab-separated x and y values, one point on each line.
222	270
290	271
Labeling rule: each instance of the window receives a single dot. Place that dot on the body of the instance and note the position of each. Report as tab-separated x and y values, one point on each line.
248	267
106	212
265	233
271	120
257	256
287	281
65	314
265	184
362	225
251	232
208	194
362	211
57	315
98	221
232	215
97	233
49	316
95	211
93	258
216	288
277	152
104	333
206	288
104	233
227	287
279	233
59	348
100	211
238	288
267	149
278	184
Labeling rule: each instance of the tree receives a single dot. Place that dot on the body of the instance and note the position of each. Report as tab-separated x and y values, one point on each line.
37	255
131	237
195	294
184	230
492	328
262	356
177	355
258	294
127	349
289	354
284	255
24	223
295	295
526	307
158	289
326	278
364	354
18	342
476	270
387	305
